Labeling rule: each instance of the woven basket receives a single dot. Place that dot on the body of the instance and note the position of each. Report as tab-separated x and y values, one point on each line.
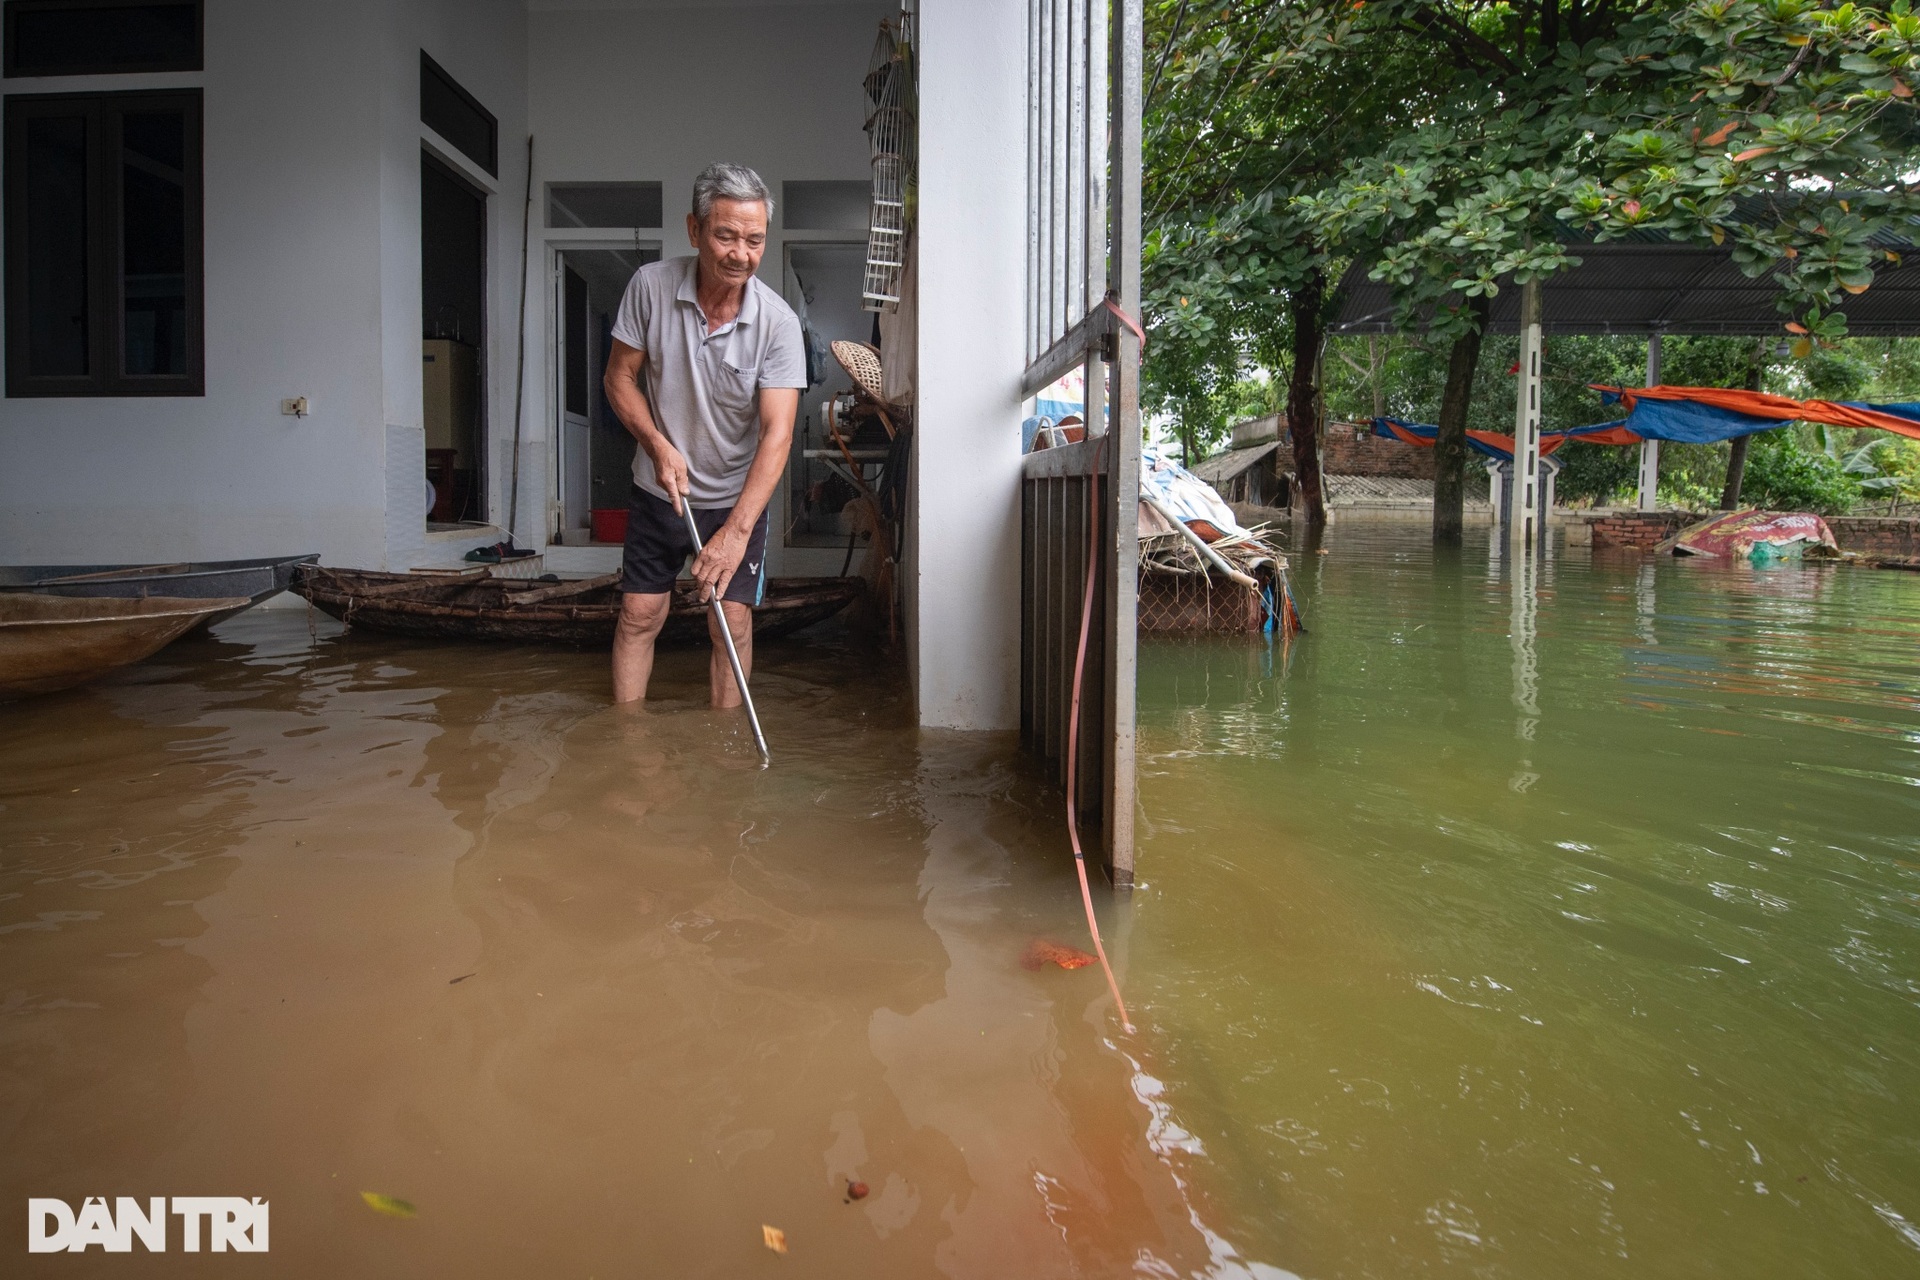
862	364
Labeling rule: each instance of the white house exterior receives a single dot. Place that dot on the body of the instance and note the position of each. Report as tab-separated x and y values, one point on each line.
311	199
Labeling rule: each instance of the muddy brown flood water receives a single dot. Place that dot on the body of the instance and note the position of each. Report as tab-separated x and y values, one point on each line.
301	916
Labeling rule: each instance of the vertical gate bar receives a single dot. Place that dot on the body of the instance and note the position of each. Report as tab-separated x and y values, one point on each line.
1123	194
1063	128
1033	159
1026	608
1095	229
1092	787
1063	671
1078	532
1040	619
1053	616
1087	558
1043	193
1076	158
1042	615
1058	569
1043	208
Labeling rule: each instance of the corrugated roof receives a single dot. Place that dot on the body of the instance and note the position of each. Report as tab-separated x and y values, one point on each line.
1639	286
1223	467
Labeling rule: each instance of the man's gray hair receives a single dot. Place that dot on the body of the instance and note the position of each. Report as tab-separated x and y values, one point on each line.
724	181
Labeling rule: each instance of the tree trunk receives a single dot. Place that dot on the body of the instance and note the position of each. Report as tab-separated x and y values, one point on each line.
1450	442
1736	473
1303	395
1737	454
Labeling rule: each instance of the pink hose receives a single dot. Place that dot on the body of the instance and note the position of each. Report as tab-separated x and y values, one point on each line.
1073	738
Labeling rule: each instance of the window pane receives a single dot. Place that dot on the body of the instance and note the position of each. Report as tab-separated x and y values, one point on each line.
154	242
603	204
56	199
67	40
455	115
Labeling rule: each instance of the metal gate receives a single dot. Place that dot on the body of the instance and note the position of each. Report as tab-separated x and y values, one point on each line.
1079	501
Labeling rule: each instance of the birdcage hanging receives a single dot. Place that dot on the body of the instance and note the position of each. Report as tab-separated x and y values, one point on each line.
890	104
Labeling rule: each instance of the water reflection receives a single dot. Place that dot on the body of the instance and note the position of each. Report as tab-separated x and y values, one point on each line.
1651	1010
301	914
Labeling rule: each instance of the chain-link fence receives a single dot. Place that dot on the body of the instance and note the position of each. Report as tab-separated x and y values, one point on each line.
1177	602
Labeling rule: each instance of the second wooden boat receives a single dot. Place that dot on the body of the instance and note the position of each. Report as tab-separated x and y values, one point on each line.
56	642
576	614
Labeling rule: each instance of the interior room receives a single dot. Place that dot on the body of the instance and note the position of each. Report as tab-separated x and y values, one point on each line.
453	272
823	287
596	453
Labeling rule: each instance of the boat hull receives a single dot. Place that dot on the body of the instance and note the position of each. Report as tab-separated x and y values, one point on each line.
480	609
48	643
255	580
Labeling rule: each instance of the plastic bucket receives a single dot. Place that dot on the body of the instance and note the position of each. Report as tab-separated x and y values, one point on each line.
609	524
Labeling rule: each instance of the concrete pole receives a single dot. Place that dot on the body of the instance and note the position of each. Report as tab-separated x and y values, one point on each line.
1524	529
1650	449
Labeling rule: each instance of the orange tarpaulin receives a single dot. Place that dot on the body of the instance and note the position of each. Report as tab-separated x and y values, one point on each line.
1758	404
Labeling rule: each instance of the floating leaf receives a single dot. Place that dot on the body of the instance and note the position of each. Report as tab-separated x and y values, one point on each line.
1721	134
391	1206
1040	953
1752	153
1795	327
774	1238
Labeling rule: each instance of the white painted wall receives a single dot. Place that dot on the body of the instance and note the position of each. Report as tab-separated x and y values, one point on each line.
626	91
312	280
312	288
963	570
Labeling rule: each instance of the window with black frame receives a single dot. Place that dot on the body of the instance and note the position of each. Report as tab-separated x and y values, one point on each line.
101	37
103	244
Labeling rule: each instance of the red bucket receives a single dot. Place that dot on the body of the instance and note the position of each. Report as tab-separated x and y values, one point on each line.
609	524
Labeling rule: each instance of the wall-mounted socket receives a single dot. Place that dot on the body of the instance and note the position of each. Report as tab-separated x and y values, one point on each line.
294	408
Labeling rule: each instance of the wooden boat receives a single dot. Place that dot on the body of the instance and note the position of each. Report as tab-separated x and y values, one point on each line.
56	642
187	580
577	614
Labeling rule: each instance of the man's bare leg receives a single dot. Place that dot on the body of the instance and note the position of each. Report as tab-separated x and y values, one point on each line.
719	671
641	617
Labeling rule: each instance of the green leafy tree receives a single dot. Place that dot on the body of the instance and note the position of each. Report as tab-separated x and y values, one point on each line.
1454	144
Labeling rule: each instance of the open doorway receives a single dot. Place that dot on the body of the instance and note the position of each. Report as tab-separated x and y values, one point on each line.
595	453
823	285
453	282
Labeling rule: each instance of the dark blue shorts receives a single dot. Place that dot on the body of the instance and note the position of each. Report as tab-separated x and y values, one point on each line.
658	547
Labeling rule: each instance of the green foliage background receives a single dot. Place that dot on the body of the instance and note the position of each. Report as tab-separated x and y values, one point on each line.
1797	467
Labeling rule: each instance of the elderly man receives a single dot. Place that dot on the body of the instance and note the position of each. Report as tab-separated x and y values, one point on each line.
725	365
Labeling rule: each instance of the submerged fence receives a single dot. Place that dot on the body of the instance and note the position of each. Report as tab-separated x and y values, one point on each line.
1078	502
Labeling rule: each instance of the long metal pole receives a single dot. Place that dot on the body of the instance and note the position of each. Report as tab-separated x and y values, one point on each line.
726	633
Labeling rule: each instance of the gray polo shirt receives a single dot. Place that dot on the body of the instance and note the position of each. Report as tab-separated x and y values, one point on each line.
704	387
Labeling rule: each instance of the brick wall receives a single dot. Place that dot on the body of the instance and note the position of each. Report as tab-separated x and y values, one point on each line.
1876	536
1868	535
1642	529
1344	454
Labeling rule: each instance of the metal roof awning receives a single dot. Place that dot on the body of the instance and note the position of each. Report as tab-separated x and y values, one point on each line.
1642	287
1225	466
